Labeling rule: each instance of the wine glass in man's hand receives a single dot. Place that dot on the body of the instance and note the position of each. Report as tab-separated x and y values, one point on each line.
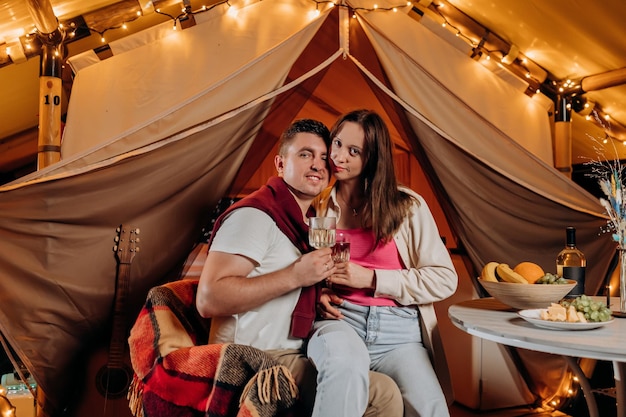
322	232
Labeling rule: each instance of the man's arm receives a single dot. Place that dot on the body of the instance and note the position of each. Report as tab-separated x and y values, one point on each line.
224	288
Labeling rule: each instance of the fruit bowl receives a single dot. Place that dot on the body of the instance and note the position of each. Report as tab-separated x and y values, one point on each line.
527	296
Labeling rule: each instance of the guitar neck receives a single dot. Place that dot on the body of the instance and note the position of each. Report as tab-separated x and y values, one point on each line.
119	327
127	246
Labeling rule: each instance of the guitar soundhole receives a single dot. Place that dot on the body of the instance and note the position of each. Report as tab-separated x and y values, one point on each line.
113	382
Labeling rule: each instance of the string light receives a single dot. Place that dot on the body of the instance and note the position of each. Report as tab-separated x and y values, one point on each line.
520	65
375	7
603	121
479	49
187	12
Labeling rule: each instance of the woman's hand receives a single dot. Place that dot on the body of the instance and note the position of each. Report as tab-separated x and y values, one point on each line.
352	275
326	306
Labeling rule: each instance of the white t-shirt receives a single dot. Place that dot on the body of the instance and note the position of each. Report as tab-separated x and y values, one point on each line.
252	233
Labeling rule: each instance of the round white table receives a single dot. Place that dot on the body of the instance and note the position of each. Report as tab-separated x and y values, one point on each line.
489	319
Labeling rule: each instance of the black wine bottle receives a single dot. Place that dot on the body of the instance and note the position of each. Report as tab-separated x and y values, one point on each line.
571	263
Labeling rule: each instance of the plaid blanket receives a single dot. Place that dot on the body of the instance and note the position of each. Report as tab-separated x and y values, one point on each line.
177	374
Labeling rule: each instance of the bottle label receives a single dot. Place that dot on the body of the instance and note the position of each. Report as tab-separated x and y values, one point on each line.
577	273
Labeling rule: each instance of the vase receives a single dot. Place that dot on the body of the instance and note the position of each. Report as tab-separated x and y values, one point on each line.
622	279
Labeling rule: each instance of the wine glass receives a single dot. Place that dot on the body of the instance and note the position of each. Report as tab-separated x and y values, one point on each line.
322	232
341	250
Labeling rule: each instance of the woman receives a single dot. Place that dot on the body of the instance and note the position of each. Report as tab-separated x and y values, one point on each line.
398	267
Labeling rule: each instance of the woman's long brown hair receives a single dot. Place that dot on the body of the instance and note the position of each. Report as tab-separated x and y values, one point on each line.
385	206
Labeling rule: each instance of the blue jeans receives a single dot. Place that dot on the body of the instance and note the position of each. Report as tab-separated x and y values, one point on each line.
384	339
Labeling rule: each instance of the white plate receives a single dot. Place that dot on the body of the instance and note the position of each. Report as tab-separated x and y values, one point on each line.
534	316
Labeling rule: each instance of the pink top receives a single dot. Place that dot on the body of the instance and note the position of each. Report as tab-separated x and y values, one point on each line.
385	256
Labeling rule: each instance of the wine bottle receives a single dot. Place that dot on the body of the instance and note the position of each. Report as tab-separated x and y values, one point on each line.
571	263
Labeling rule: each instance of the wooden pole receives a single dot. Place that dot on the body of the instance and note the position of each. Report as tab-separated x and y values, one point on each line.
563	137
50	82
50	96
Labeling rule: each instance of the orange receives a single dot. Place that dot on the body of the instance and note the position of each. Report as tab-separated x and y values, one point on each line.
530	271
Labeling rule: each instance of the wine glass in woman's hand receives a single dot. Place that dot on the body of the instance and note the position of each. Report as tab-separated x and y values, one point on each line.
341	250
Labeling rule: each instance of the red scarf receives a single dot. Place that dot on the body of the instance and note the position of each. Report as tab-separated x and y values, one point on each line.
275	199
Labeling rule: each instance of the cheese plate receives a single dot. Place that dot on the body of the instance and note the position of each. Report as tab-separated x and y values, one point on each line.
533	316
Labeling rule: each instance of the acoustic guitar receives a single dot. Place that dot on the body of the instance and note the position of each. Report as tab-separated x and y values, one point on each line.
109	373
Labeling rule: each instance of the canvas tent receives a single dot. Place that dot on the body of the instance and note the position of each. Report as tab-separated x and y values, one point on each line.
175	120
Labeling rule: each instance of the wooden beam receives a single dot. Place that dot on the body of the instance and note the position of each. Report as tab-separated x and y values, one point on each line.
114	15
43	15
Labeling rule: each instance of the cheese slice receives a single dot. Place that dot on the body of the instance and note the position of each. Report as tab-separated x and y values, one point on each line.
572	315
556	312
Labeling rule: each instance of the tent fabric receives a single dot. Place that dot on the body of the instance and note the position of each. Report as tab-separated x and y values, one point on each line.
159	132
249	65
467	82
486	152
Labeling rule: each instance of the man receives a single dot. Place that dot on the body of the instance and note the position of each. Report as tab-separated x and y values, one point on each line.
259	272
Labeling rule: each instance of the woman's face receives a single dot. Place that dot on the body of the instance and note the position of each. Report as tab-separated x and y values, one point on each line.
346	151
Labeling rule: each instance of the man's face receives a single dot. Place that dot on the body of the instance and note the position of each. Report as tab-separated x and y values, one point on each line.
304	166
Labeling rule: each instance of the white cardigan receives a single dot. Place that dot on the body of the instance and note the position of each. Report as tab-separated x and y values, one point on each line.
430	275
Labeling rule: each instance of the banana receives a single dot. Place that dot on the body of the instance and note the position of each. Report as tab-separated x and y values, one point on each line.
489	272
506	274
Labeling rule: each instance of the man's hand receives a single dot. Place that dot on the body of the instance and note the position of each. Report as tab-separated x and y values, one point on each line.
326	305
314	267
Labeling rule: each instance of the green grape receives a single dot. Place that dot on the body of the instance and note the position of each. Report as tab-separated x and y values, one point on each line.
594	311
551	279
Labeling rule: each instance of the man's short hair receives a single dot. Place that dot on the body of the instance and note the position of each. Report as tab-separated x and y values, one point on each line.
303	126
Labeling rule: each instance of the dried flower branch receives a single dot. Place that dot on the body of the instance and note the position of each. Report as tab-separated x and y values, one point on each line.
610	176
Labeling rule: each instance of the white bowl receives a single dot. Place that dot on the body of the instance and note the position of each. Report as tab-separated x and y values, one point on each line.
527	296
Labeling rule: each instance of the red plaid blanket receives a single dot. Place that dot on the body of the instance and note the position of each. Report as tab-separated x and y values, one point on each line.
177	374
